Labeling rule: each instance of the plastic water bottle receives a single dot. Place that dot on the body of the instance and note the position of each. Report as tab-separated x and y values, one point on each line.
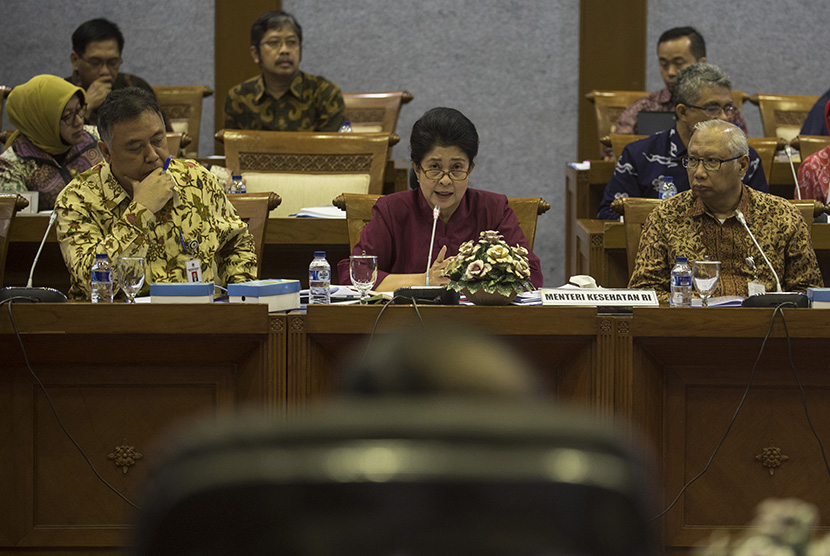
345	126
101	277
319	280
666	187
236	185
681	283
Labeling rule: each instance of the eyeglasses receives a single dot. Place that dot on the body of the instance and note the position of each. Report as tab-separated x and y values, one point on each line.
436	174
70	116
714	110
711	164
275	44
112	63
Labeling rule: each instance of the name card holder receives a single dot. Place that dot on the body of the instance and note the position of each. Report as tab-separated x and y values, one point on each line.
580	297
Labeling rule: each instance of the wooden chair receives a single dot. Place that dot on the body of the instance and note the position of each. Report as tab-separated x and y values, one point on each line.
783	115
766	147
359	213
254	209
307	168
374	112
10	204
619	141
809	144
182	108
608	105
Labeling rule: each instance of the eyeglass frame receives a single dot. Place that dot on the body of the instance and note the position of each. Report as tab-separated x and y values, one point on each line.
687	159
68	119
275	43
733	108
444	173
112	63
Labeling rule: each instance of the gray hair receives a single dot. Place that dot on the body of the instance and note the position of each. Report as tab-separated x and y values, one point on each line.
736	142
692	79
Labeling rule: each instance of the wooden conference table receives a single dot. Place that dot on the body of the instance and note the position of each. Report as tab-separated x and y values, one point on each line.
121	376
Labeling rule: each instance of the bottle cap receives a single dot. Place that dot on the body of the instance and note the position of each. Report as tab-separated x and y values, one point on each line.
319	254
680	260
236	177
101	256
668	179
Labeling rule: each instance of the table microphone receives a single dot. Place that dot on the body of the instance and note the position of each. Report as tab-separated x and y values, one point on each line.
31	294
436	212
769	299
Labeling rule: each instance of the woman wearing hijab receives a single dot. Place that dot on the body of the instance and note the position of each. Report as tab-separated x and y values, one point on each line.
50	145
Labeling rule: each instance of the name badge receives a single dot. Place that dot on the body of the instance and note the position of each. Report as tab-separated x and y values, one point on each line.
194	270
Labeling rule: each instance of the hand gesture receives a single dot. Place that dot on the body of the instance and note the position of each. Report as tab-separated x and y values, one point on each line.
97	92
154	191
436	271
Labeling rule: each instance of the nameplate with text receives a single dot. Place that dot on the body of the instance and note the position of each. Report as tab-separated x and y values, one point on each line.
599	298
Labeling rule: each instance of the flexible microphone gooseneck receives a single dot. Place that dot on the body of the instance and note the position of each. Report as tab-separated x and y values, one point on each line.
436	212
29	293
789	152
740	216
52	218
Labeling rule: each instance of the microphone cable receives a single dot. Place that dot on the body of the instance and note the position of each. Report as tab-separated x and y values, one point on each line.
778	309
55	411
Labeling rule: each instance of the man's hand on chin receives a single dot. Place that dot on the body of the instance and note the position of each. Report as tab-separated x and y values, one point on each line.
154	191
97	92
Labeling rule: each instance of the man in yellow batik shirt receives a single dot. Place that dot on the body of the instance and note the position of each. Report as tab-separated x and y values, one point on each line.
130	205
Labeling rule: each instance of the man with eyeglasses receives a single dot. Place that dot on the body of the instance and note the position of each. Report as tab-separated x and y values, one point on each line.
702	222
96	58
703	92
282	98
677	48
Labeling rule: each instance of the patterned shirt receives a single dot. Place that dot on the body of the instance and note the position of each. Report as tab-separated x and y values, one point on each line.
658	101
96	215
814	175
644	163
311	103
682	226
26	167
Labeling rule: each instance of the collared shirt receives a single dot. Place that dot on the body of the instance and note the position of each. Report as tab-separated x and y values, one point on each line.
311	103
683	226
26	167
401	228
96	215
814	175
644	163
122	81
658	101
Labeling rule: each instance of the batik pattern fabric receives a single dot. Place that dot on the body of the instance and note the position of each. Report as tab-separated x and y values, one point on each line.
683	226
312	103
96	215
26	167
814	175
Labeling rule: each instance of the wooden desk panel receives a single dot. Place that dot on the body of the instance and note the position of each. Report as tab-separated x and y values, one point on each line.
119	376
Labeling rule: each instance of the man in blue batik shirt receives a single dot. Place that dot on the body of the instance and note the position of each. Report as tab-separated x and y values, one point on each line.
703	92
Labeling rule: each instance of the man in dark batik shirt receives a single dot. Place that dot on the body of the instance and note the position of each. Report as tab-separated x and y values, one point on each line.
96	57
282	98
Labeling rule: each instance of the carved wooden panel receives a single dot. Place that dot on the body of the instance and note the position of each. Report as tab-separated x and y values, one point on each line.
301	163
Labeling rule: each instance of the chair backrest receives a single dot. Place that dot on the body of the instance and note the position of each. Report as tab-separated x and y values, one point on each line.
174	142
608	105
783	115
307	169
4	92
10	203
359	213
809	144
182	108
766	147
618	142
375	111
254	209
634	211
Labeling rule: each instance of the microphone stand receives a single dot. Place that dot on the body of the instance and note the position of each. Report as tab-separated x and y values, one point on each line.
31	294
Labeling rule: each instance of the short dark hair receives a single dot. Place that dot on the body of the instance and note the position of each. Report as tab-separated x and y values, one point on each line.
122	105
441	127
697	46
276	19
96	30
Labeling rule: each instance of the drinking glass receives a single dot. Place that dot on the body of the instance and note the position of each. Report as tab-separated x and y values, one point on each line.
130	275
705	276
363	270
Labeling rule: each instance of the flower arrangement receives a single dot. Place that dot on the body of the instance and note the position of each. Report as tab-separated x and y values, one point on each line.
491	265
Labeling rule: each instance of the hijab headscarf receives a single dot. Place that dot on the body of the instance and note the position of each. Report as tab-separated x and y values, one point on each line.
35	109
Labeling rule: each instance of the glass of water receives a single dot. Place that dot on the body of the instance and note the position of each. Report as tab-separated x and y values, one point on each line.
363	270
705	275
130	274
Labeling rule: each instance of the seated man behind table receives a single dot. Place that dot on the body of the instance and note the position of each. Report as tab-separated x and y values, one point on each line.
701	223
282	98
97	45
677	48
703	92
443	145
814	171
128	205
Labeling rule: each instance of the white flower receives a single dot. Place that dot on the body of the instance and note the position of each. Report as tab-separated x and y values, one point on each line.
477	269
522	269
498	254
490	236
466	249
